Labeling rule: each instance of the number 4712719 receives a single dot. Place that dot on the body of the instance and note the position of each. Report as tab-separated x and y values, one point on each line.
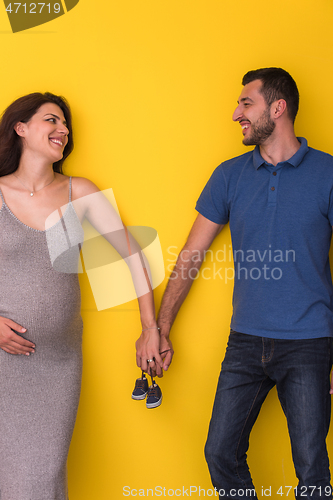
33	8
306	491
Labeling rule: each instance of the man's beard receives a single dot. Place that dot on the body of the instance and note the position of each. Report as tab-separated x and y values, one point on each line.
261	130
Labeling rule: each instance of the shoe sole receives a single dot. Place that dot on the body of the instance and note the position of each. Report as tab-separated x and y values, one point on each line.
154	405
139	397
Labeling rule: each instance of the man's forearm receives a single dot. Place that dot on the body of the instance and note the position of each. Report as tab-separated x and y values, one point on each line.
187	266
180	282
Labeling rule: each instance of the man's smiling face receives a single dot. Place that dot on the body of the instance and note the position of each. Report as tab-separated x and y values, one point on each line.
253	114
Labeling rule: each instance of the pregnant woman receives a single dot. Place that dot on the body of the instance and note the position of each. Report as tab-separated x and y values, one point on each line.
40	322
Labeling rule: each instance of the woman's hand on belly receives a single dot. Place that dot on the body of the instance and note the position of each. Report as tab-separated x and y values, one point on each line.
10	341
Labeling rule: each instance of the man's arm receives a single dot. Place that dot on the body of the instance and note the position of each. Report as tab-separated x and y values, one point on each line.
188	264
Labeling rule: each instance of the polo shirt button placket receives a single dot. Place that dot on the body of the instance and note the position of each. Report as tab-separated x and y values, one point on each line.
273	185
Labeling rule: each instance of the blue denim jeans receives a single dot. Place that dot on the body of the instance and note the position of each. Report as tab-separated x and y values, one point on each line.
251	367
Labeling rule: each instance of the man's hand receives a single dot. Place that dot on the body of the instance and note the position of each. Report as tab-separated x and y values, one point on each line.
166	351
147	348
10	341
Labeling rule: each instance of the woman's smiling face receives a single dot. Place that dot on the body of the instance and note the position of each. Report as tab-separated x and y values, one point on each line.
45	134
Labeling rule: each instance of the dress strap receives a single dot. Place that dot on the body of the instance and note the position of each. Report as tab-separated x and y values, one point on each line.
70	190
3	200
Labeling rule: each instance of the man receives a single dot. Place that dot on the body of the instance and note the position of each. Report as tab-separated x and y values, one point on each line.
278	199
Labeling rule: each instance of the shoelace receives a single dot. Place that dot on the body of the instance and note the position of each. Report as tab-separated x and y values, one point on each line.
140	384
152	391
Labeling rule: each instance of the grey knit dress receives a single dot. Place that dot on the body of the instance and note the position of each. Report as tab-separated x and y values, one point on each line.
39	394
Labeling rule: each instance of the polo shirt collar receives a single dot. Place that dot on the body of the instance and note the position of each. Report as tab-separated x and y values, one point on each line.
295	160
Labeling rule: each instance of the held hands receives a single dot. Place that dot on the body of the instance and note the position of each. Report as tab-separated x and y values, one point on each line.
10	341
155	348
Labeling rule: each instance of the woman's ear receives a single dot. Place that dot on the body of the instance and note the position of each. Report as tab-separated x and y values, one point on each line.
20	129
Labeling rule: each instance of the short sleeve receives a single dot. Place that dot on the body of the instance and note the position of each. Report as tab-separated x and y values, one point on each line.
213	203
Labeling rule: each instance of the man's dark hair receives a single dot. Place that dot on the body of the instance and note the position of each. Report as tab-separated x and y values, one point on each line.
276	84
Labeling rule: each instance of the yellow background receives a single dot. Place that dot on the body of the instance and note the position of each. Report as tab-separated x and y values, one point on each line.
152	85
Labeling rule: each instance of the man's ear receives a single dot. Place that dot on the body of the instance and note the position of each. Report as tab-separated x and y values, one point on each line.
278	108
20	129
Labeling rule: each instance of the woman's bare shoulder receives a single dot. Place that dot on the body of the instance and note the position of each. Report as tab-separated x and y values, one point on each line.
82	187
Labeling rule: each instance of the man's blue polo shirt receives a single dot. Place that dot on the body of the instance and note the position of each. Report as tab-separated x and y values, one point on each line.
281	221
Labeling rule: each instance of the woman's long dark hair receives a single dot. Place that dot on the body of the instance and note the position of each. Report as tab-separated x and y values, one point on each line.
22	110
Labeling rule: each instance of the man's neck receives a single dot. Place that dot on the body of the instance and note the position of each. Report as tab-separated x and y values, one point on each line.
279	149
